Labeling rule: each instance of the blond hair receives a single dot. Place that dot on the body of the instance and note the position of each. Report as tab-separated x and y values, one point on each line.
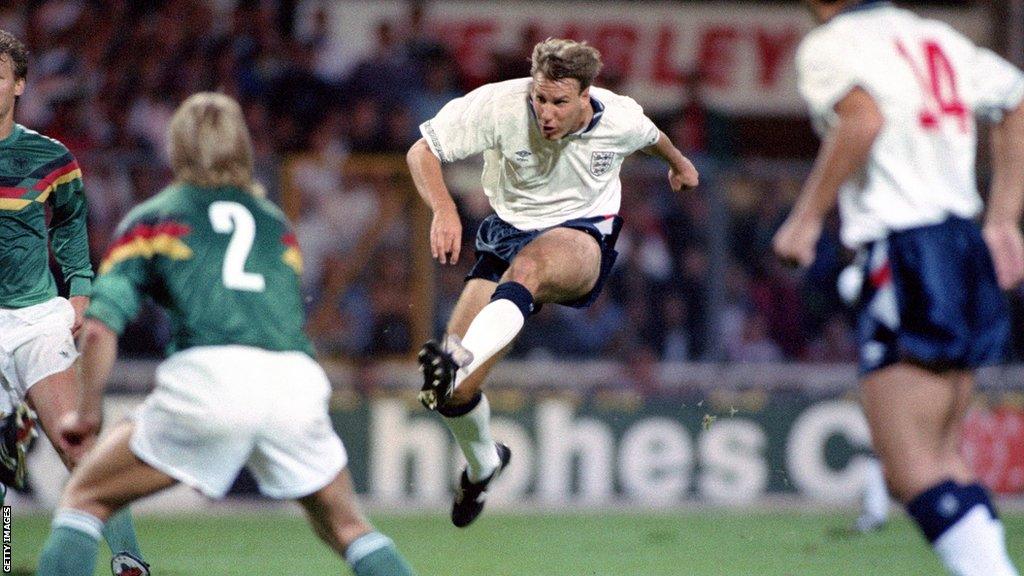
209	144
558	58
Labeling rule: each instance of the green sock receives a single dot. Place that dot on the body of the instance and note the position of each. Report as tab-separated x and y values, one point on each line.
374	554
119	533
68	552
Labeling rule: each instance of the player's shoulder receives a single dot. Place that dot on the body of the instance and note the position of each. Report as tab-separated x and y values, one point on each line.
859	32
271	210
828	41
34	138
500	105
515	87
171	203
41	146
615	103
945	33
618	111
503	95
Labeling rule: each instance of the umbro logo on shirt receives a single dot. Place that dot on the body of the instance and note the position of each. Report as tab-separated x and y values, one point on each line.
522	155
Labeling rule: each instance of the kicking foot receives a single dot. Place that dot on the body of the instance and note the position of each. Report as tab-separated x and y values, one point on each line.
470	496
439	363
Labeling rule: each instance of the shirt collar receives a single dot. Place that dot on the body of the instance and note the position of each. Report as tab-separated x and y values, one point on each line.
598	112
598	107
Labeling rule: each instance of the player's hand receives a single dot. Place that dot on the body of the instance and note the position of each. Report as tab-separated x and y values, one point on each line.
796	241
685	178
1007	248
446	235
77	433
79	303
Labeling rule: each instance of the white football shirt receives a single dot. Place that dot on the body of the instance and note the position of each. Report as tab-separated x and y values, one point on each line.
533	183
929	82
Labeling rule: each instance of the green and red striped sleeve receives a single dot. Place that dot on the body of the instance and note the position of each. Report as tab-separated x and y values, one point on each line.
126	268
62	186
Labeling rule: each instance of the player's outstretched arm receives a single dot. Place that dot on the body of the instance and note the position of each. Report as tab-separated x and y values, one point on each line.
1002	219
844	151
99	350
446	228
682	175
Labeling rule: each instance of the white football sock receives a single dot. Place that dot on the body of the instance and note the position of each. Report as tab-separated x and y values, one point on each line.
472	431
77	520
492	329
975	546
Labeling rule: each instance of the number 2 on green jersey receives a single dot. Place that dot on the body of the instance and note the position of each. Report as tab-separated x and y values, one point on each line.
235	219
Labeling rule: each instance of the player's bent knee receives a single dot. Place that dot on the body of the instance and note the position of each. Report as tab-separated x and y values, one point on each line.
526	271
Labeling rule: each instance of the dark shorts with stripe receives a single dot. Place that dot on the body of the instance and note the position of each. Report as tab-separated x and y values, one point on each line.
498	242
930	297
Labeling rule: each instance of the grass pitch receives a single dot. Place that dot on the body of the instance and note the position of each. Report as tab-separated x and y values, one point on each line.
714	542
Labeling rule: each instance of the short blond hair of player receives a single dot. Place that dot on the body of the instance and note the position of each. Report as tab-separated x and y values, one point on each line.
557	58
209	143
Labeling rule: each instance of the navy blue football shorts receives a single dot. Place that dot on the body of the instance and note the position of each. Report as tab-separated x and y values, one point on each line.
498	242
930	297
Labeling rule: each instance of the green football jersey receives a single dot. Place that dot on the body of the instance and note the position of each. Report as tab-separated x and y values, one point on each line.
36	171
223	263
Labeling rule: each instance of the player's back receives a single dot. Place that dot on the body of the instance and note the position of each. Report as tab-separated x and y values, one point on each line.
929	82
222	262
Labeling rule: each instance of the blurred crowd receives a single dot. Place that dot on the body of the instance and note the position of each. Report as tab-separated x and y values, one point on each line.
695	279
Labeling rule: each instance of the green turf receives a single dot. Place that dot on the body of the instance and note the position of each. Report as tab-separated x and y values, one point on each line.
562	544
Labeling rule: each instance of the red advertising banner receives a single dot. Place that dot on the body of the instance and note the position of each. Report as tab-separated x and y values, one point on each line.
745	52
